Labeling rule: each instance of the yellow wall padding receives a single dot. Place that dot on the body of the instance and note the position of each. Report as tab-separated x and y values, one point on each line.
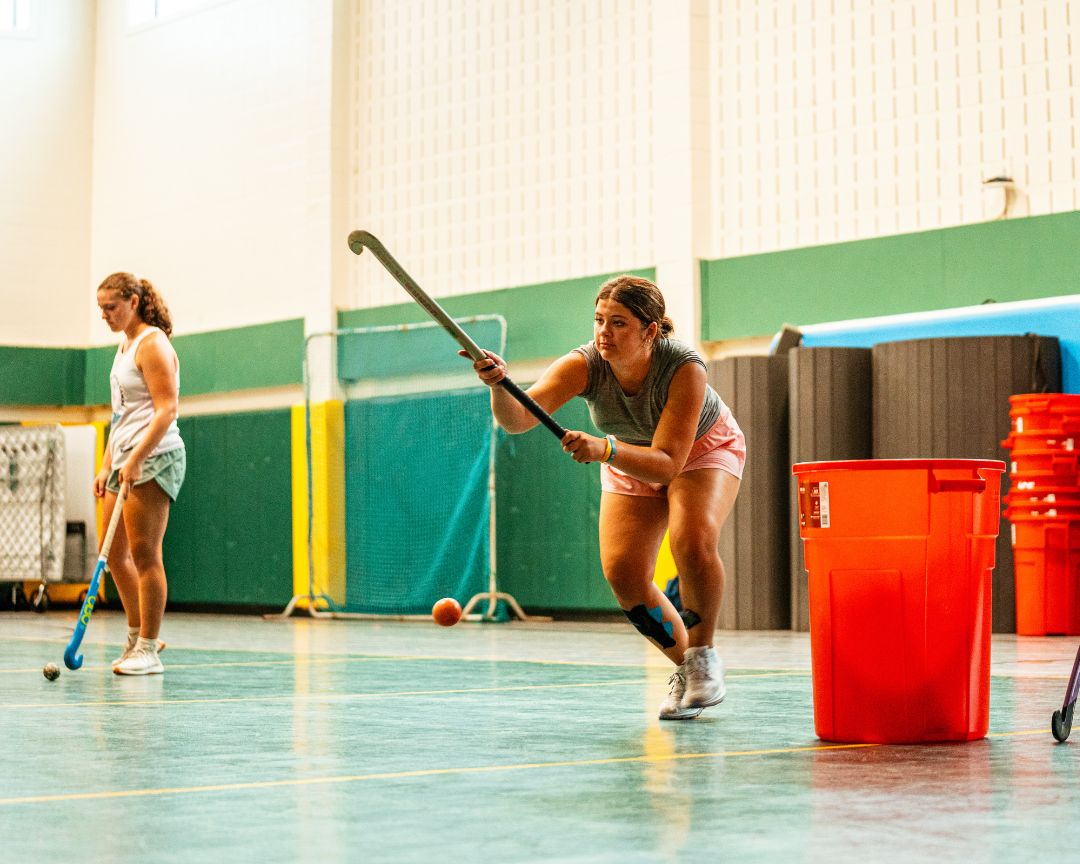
328	495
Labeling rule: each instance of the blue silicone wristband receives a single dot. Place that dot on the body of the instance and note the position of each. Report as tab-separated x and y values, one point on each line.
611	441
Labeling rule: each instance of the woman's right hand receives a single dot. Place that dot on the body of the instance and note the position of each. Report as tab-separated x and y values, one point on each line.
99	482
491	369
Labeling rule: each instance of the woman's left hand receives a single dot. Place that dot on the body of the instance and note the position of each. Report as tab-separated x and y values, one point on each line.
131	472
583	446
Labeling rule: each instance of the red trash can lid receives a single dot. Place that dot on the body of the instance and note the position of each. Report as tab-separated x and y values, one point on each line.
897	464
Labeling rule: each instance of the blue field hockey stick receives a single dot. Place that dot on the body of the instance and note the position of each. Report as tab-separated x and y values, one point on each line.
71	659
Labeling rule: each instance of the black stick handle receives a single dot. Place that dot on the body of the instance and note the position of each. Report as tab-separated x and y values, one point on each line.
359	240
533	408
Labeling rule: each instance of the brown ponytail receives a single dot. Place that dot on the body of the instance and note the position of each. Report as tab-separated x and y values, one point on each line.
152	308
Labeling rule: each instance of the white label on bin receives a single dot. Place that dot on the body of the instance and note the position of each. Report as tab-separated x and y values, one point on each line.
813	504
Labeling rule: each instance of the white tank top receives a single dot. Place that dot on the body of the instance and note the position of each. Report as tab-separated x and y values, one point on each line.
132	407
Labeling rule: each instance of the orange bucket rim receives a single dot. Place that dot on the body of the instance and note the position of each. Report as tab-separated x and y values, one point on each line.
1043	397
898	464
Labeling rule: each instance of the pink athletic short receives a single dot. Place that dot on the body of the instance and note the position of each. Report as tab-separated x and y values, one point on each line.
723	447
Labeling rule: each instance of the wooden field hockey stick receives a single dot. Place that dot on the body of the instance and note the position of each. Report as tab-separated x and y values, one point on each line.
358	240
71	659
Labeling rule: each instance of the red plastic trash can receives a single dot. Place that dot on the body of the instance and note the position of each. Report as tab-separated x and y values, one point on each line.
899	554
1046	558
1058	412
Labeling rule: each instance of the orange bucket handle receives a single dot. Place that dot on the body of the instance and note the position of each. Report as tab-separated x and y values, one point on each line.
974	484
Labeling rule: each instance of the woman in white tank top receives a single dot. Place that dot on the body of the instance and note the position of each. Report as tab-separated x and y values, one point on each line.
144	452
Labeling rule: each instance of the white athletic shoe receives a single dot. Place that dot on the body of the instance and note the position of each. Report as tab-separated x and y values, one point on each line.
141	661
671	708
704	678
131	647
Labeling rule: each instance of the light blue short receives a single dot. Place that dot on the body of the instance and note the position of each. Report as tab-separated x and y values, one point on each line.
166	469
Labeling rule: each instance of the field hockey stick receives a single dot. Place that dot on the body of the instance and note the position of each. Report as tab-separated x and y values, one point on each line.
358	240
71	659
1061	722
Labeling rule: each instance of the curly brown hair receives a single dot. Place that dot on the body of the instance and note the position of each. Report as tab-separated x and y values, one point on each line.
152	308
642	298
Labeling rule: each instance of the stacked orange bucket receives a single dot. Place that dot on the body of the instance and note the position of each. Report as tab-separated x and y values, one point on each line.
1043	506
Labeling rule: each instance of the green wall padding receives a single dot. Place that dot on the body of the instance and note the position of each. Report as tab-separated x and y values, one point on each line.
1016	259
41	376
418	351
221	361
98	365
548	509
544	320
244	358
229	540
416	500
416	527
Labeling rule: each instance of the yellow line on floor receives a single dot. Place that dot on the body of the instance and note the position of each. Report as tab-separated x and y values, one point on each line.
439	772
426	772
1019	732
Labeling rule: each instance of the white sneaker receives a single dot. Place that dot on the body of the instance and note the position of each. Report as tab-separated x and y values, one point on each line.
141	661
704	678
131	647
671	708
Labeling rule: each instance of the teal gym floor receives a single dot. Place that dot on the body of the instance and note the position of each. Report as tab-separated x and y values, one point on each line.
330	741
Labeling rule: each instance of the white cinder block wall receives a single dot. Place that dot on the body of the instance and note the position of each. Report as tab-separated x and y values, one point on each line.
838	120
501	143
46	112
212	158
519	142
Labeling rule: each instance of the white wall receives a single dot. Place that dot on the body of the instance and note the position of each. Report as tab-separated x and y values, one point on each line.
212	158
46	103
838	120
494	144
501	143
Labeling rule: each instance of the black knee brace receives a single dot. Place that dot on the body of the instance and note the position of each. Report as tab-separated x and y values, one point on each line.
690	618
650	623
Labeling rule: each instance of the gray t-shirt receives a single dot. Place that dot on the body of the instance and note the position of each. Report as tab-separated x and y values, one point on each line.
633	419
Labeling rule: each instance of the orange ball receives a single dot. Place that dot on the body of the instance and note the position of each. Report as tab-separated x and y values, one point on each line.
447	612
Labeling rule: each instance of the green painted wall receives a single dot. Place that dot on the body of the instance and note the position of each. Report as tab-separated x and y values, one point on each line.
96	384
543	320
221	361
41	376
404	353
547	512
229	539
1016	259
